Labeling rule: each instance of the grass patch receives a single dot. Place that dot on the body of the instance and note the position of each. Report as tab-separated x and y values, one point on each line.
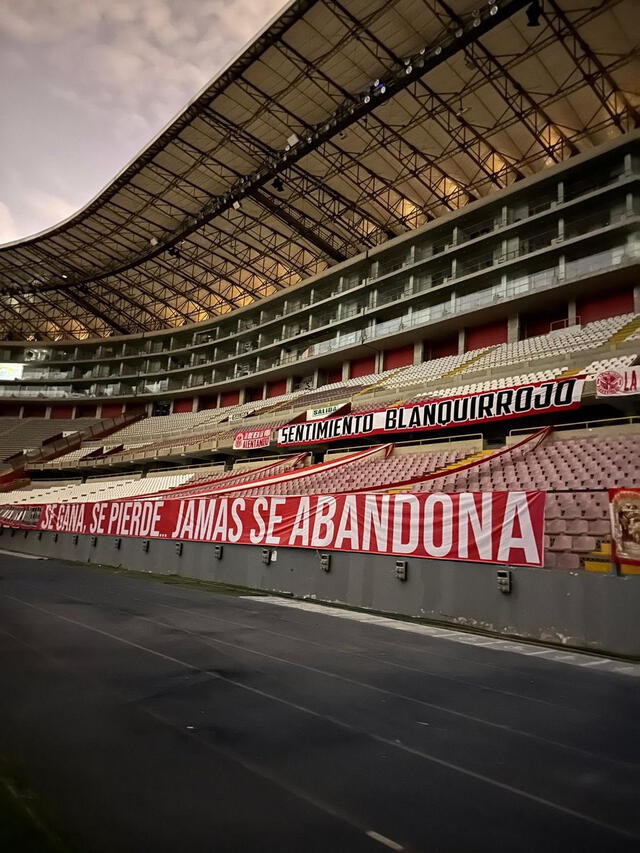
218	587
26	825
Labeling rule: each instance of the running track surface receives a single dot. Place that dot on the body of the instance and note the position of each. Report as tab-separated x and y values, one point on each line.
160	717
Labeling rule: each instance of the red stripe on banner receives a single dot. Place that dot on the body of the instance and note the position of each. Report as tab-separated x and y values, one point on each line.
295	474
230	478
537	437
487	527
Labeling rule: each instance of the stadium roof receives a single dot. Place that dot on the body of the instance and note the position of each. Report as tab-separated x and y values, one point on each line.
372	117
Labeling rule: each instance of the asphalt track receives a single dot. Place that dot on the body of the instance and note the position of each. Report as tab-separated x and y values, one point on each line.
157	717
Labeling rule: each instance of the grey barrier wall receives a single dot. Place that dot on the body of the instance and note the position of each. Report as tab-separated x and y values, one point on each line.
598	612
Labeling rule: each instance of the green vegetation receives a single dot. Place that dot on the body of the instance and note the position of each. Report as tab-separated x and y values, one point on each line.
25	824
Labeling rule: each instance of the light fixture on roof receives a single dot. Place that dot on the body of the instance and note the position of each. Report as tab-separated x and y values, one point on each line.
153	241
461	109
278	184
534	10
493	9
379	87
236	205
64	275
293	140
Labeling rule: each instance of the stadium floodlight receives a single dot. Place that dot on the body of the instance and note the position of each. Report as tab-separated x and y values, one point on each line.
64	275
293	140
278	184
153	241
533	14
493	9
236	205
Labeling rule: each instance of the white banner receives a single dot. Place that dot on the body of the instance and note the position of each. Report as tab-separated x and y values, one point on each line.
440	413
251	439
322	412
618	383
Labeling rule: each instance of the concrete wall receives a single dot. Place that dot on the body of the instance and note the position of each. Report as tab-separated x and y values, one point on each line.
590	611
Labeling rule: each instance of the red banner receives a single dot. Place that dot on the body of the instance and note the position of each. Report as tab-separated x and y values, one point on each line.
488	527
624	509
250	439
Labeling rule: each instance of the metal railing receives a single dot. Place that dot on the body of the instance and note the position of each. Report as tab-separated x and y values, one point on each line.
596	424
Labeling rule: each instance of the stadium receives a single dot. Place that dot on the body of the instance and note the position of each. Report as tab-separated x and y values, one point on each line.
361	327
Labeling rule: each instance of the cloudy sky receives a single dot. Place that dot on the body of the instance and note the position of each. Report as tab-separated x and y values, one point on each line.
87	83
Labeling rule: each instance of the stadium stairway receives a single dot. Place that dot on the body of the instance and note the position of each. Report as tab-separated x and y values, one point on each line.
571	371
625	332
462	368
444	471
386	376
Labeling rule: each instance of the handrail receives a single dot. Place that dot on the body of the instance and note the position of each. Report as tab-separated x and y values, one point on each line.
445	439
622	419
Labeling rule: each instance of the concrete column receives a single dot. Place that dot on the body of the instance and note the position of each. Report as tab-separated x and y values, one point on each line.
345	370
243	394
461	341
379	362
629	204
218	399
636	298
289	388
21	412
264	390
194	406
74	412
99	410
47	412
571	312
562	263
418	349
513	329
